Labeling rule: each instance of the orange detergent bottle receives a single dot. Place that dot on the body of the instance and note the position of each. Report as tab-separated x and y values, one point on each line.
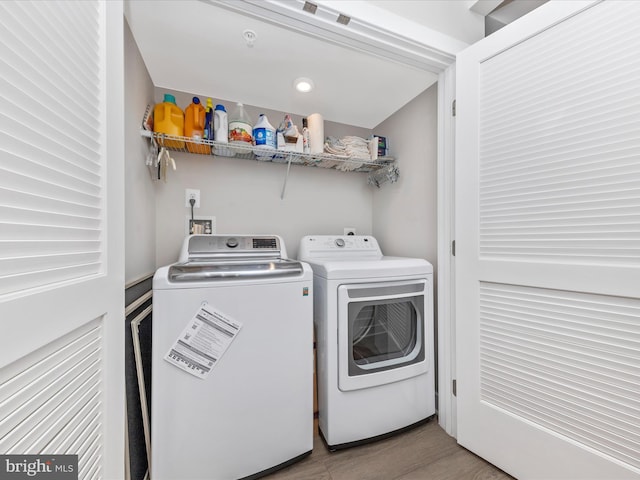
169	119
194	123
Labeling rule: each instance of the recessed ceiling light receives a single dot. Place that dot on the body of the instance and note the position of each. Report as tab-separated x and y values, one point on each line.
303	84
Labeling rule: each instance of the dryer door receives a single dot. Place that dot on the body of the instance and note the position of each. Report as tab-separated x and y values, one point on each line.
381	332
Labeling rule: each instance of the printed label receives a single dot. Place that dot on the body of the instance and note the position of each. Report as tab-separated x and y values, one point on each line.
50	467
264	137
203	341
240	132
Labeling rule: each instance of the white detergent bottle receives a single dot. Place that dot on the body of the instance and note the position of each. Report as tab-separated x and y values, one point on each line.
221	131
264	135
220	125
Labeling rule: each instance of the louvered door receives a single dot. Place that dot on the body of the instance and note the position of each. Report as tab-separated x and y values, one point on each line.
548	243
61	225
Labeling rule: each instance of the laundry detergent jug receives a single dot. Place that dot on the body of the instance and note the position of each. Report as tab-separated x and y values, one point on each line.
221	131
194	124
168	119
265	138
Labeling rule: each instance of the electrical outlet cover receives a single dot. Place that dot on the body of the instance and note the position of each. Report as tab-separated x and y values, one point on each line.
190	193
349	230
203	225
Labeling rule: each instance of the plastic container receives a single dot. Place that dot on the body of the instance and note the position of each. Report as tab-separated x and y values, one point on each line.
221	131
208	120
220	124
305	136
240	126
168	118
194	122
264	135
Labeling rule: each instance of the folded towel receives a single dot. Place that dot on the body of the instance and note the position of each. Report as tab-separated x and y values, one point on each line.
348	147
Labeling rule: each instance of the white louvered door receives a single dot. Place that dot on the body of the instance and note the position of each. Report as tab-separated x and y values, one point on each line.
61	232
548	243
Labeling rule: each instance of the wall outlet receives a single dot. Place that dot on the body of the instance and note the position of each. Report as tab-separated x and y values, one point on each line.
349	230
190	193
200	225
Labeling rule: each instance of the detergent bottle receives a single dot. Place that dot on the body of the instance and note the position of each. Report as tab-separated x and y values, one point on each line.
265	137
168	119
220	124
208	121
221	131
194	121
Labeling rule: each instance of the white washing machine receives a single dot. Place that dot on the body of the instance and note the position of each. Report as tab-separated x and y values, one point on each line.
232	360
374	339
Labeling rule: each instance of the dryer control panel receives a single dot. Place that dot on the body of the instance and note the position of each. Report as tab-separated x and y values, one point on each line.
335	246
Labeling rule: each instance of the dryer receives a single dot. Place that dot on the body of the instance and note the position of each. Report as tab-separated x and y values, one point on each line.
232	360
373	316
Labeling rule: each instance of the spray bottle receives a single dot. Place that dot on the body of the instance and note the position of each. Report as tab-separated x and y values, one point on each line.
208	120
305	136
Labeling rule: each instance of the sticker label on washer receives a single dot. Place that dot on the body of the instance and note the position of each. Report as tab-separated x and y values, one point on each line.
203	341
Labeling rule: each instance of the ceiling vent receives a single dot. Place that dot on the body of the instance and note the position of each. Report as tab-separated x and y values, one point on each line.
343	19
310	7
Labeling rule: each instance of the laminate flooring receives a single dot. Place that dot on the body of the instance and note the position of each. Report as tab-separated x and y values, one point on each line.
423	453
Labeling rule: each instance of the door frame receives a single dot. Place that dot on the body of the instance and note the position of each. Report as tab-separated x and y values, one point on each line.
445	314
114	449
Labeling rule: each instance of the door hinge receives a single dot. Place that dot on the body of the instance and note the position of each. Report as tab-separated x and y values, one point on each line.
453	248
453	108
455	388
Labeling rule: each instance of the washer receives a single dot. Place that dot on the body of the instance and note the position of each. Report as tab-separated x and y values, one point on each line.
247	411
374	338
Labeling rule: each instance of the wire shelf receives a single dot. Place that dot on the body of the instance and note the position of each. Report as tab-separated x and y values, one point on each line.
250	152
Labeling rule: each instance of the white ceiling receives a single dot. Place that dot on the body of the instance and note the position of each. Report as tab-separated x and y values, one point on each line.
198	47
451	17
511	10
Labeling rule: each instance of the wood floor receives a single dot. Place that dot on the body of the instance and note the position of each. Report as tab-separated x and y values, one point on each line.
425	453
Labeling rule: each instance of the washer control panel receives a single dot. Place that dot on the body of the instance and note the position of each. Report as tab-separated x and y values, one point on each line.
232	242
197	247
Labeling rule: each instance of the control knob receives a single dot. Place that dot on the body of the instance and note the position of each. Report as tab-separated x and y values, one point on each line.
232	242
340	242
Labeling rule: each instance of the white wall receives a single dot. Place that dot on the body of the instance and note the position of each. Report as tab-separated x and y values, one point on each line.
140	207
244	195
404	213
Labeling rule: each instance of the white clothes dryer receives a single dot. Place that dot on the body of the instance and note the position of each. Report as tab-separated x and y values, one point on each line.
232	360
373	316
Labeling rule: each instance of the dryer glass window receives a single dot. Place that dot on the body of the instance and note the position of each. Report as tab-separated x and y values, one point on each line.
385	334
384	331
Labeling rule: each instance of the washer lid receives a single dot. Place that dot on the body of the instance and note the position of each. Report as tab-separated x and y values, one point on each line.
332	269
224	271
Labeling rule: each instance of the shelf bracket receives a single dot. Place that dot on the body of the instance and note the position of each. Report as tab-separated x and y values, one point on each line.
286	177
